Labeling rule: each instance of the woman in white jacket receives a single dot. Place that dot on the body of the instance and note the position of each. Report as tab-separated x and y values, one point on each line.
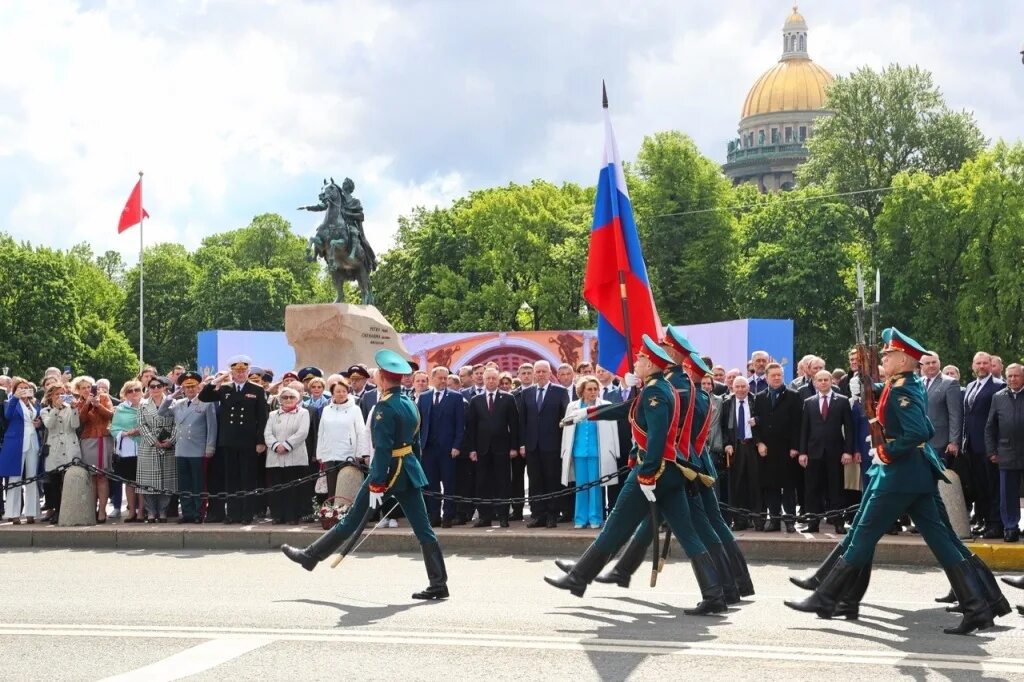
285	436
61	422
342	436
591	450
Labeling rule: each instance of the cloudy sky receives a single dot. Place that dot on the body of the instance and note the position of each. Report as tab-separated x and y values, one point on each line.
238	107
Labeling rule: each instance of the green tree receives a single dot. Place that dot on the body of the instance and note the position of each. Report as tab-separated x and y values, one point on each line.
884	123
797	260
112	266
107	352
688	253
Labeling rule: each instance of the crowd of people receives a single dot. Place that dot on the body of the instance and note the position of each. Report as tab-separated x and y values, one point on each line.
780	449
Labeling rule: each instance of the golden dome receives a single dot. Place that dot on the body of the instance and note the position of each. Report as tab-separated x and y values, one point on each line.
790	85
795	21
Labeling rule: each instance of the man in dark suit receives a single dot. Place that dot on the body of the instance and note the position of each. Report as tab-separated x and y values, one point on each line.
826	446
544	405
242	417
983	473
492	434
777	414
737	424
476	385
1004	440
442	423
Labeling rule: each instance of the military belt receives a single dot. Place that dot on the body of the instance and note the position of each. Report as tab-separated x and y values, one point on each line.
402	451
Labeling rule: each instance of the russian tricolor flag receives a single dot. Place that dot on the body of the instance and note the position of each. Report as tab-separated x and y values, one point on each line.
616	283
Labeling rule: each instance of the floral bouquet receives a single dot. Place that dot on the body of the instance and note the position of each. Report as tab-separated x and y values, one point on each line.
331	511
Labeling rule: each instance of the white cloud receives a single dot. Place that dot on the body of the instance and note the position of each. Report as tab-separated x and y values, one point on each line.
236	108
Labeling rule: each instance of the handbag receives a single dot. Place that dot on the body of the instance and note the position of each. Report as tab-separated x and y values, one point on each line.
851	476
321	483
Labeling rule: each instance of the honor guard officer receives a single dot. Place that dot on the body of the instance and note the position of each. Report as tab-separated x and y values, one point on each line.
307	373
242	418
394	470
905	481
655	420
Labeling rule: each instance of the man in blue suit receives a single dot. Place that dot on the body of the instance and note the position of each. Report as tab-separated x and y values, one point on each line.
984	474
442	424
543	406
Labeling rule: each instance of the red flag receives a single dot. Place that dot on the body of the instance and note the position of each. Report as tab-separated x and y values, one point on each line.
132	213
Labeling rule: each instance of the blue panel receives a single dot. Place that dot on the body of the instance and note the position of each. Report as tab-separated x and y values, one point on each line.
206	350
775	337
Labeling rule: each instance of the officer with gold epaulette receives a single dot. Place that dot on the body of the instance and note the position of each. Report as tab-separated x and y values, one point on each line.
657	478
394	470
905	481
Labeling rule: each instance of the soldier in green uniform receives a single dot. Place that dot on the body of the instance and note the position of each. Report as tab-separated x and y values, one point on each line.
658	478
904	482
684	375
394	470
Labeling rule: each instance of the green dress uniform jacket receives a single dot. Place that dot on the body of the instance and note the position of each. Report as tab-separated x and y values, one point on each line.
394	432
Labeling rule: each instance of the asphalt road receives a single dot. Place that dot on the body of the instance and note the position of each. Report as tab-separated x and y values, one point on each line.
90	615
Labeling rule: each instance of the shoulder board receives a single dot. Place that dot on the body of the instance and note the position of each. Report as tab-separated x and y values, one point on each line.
385	397
899	381
651	382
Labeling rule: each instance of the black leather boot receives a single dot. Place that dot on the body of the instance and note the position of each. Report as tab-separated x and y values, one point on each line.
811	583
433	559
724	568
948	598
740	572
849	604
627	564
712	595
993	595
323	547
565	565
971	594
1014	582
582	573
828	594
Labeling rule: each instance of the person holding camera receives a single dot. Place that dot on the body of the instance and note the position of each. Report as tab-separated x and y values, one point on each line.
156	466
125	431
19	455
95	413
61	422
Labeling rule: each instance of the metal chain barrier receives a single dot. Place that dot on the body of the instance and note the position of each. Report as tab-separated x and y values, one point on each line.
831	516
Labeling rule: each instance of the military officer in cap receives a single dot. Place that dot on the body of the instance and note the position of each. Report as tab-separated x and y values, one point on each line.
394	471
655	420
905	481
242	418
195	433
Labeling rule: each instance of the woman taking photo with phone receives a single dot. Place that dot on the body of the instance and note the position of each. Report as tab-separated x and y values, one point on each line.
95	413
61	422
19	455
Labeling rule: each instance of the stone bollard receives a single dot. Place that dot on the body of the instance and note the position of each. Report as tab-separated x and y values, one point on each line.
952	495
78	499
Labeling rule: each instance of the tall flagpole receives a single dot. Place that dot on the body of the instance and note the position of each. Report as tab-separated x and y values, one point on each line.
142	220
620	246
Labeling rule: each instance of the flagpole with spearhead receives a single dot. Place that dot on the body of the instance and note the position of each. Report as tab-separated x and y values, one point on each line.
142	220
621	247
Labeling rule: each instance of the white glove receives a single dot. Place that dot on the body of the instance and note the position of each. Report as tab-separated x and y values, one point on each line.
574	416
648	491
376	499
873	454
631	380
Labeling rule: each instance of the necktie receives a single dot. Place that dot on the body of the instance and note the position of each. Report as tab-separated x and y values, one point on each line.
540	398
437	397
490	402
188	404
973	394
742	419
824	407
927	385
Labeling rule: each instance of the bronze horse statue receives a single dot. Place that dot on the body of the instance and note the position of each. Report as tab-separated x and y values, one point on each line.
340	240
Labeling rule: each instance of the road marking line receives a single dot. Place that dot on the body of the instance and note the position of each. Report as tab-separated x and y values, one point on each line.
194	660
513	641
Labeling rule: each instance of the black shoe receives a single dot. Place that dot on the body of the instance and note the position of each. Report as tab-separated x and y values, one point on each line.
565	565
723	566
740	525
482	523
552	523
790	527
1012	535
840	529
433	559
536	522
992	533
824	600
446	523
821	573
971	594
503	523
459	521
993	595
582	573
738	564
627	564
773	526
323	547
812	528
948	598
848	606
435	521
1014	582
711	592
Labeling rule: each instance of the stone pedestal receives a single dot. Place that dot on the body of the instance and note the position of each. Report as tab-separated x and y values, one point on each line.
77	499
952	495
333	336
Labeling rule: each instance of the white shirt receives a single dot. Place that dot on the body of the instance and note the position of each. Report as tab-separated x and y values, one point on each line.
822	397
743	431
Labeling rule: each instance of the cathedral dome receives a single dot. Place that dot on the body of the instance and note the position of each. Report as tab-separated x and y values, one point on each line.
790	85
